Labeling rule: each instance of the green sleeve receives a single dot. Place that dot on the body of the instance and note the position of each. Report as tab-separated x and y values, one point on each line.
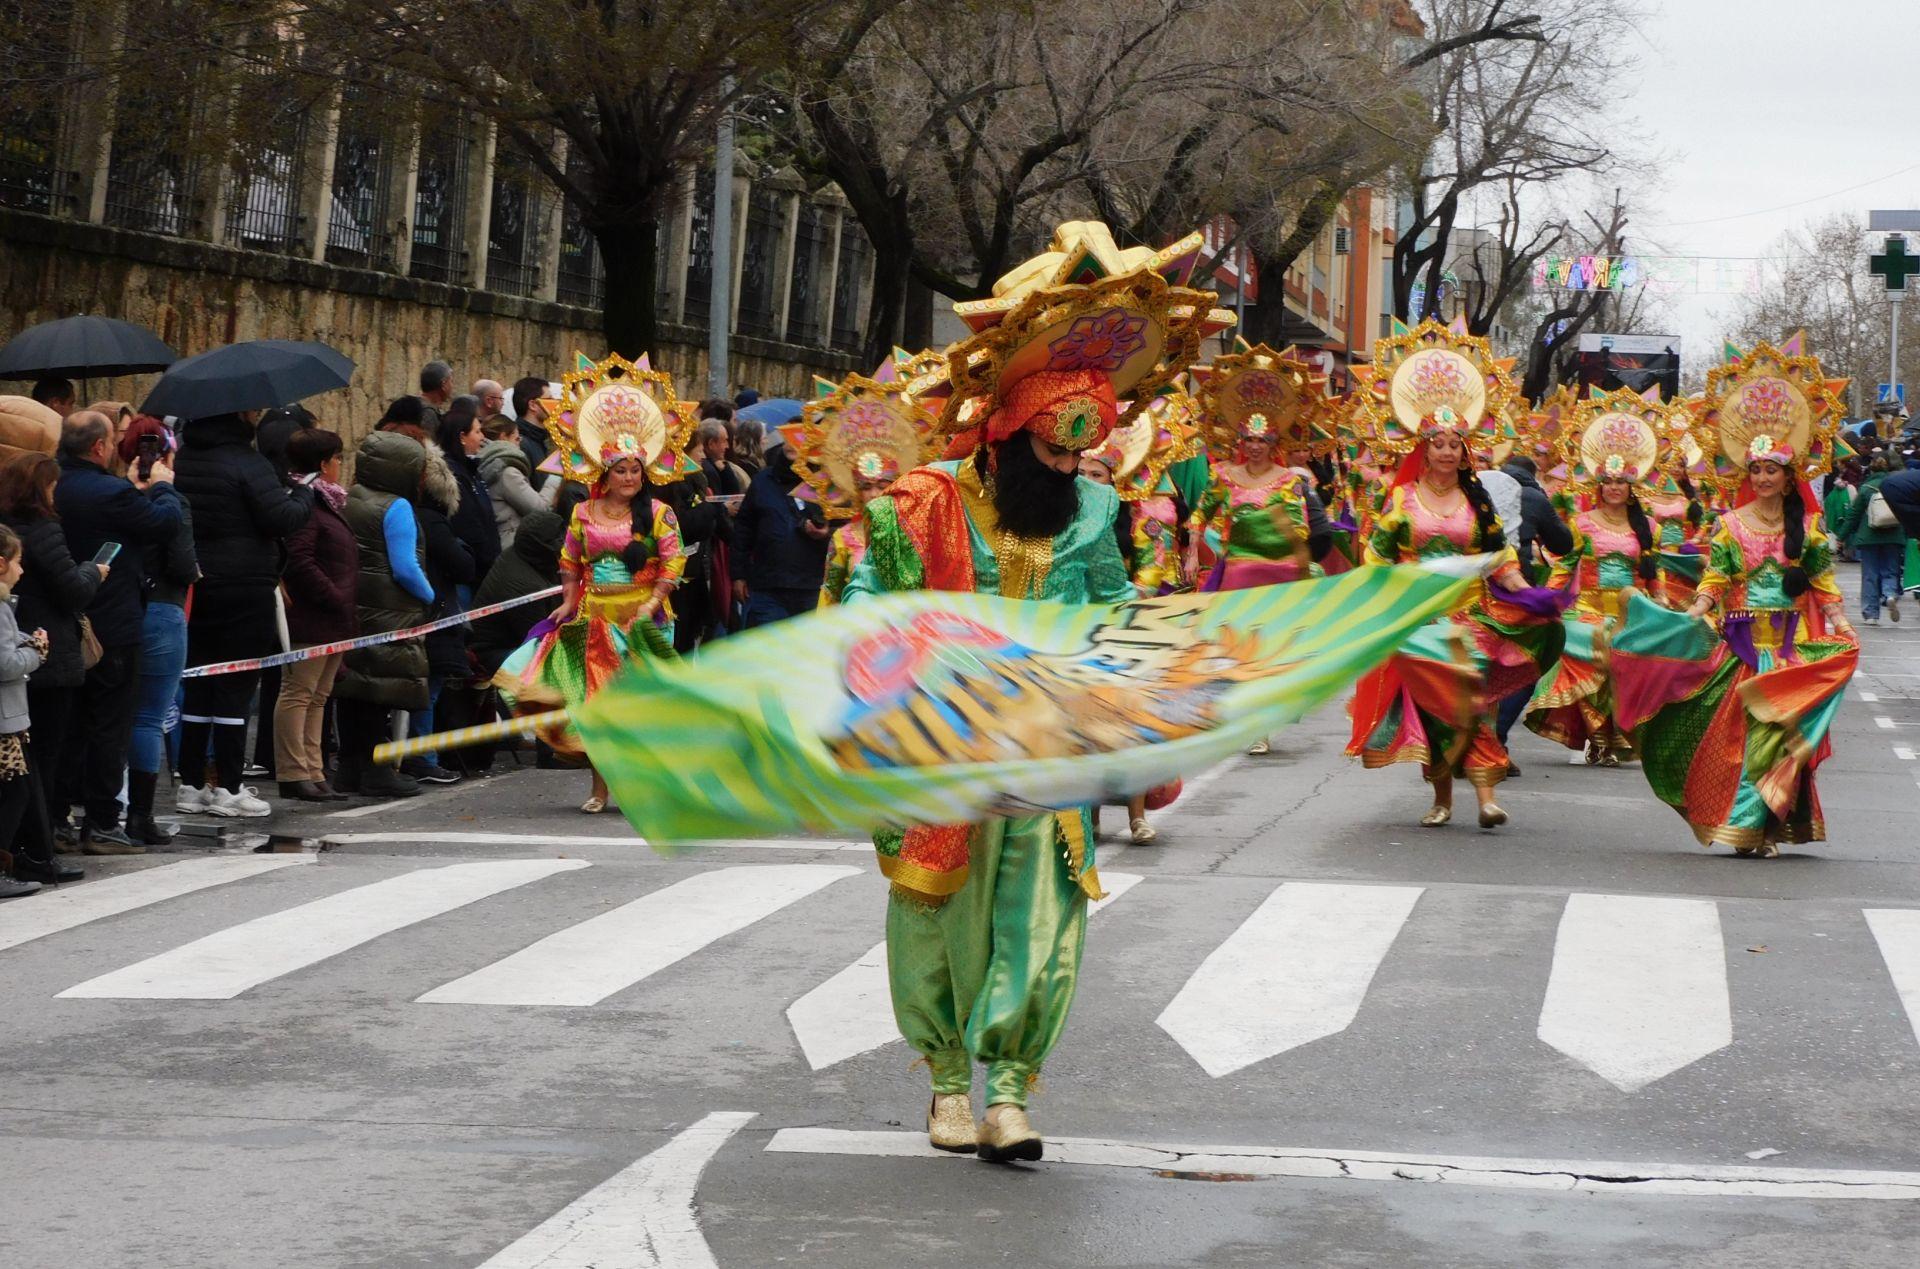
891	563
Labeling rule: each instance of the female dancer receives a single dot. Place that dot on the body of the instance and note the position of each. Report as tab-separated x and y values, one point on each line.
1732	723
1613	451
1270	526
621	556
1437	394
852	442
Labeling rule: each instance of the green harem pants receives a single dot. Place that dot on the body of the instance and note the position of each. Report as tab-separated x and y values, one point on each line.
989	974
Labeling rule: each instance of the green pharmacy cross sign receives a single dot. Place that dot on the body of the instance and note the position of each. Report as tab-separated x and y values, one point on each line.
1894	264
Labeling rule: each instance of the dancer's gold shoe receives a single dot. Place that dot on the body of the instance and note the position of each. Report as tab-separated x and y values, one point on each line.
950	1123
1437	816
1007	1136
1491	816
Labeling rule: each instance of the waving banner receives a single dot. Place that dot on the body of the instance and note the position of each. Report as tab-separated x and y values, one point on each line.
943	708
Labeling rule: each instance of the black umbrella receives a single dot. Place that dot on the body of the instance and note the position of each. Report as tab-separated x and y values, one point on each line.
257	375
84	348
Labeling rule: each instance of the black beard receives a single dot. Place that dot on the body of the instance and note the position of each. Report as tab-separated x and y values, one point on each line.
1032	499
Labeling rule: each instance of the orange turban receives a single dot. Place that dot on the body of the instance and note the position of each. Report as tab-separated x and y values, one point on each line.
1074	409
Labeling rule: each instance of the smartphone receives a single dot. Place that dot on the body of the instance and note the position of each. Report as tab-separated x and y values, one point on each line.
106	553
149	449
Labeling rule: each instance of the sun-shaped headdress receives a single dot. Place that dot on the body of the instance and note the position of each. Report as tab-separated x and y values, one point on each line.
615	409
858	431
1622	435
1159	436
1771	403
1070	333
1433	379
1256	393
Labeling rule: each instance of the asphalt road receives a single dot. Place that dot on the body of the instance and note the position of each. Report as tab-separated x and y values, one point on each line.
481	1029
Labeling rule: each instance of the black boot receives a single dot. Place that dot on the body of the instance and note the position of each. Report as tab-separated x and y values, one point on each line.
142	828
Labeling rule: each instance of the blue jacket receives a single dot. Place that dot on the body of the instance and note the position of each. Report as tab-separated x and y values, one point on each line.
97	507
770	550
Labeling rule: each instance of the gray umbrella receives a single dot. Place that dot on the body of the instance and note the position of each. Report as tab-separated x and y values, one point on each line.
84	348
257	375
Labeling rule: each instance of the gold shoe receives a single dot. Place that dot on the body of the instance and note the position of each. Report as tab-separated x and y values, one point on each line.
1491	816
1143	832
1769	850
1745	850
1437	816
593	806
950	1123
1610	759
1259	747
1007	1136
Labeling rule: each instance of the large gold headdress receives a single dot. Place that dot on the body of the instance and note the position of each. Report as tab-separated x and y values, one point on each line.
1084	310
1771	403
858	431
1257	393
617	409
1139	454
1622	435
1433	379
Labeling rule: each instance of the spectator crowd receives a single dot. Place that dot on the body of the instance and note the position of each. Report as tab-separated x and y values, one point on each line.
134	547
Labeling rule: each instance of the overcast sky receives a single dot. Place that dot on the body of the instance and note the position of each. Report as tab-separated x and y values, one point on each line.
1762	103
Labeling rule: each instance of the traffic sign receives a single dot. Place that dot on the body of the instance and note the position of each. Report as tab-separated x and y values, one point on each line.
1892	394
1894	264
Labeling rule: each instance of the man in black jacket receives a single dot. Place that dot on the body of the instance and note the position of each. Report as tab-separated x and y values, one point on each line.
1540	526
529	395
97	507
242	516
780	543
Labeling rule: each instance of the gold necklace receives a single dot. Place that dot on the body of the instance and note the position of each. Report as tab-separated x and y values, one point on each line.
1433	497
1764	525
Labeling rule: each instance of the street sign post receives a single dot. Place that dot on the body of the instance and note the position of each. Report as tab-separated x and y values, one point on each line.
1891	394
1895	266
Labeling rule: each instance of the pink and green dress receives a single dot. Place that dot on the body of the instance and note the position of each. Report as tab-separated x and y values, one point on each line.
562	664
1157	566
1732	724
844	553
1262	530
1432	702
1574	704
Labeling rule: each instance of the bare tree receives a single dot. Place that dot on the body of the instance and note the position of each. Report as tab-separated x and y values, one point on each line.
1816	279
1507	113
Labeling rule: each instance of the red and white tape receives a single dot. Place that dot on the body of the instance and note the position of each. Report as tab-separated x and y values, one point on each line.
364	641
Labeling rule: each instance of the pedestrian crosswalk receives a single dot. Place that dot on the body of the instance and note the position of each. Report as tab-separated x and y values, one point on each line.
1632	988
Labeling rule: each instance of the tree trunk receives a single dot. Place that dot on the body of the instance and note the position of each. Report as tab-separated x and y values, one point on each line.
916	325
887	306
629	253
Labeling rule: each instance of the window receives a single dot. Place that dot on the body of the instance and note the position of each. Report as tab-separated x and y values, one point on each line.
513	230
848	301
357	235
811	251
440	200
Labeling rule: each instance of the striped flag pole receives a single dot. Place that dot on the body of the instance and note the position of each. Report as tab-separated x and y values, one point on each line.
462	737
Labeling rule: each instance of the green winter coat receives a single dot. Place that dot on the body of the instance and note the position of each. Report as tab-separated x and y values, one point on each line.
1857	531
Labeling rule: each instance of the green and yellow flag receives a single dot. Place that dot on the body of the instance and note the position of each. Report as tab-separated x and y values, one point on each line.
943	708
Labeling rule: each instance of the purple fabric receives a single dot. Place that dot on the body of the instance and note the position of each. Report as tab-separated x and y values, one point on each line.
1538	601
1214	578
1738	632
542	628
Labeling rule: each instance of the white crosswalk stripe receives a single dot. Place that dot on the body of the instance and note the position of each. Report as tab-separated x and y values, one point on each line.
72	906
852	1012
1639	986
1295	971
1897	931
586	963
221	966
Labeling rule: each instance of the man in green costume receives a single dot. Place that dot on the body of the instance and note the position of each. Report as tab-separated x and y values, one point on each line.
985	921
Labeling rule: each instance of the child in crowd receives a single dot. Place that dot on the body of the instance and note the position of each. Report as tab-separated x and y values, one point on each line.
20	655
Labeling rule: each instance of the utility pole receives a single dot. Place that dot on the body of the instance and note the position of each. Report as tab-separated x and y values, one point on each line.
720	292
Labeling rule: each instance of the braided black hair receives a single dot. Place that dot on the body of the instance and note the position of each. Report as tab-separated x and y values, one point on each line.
1643	534
1123	535
1794	510
1491	536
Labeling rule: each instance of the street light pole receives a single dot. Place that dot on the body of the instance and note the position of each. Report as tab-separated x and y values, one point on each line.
720	289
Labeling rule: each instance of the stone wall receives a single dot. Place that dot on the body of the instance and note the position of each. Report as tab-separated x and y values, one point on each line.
198	296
